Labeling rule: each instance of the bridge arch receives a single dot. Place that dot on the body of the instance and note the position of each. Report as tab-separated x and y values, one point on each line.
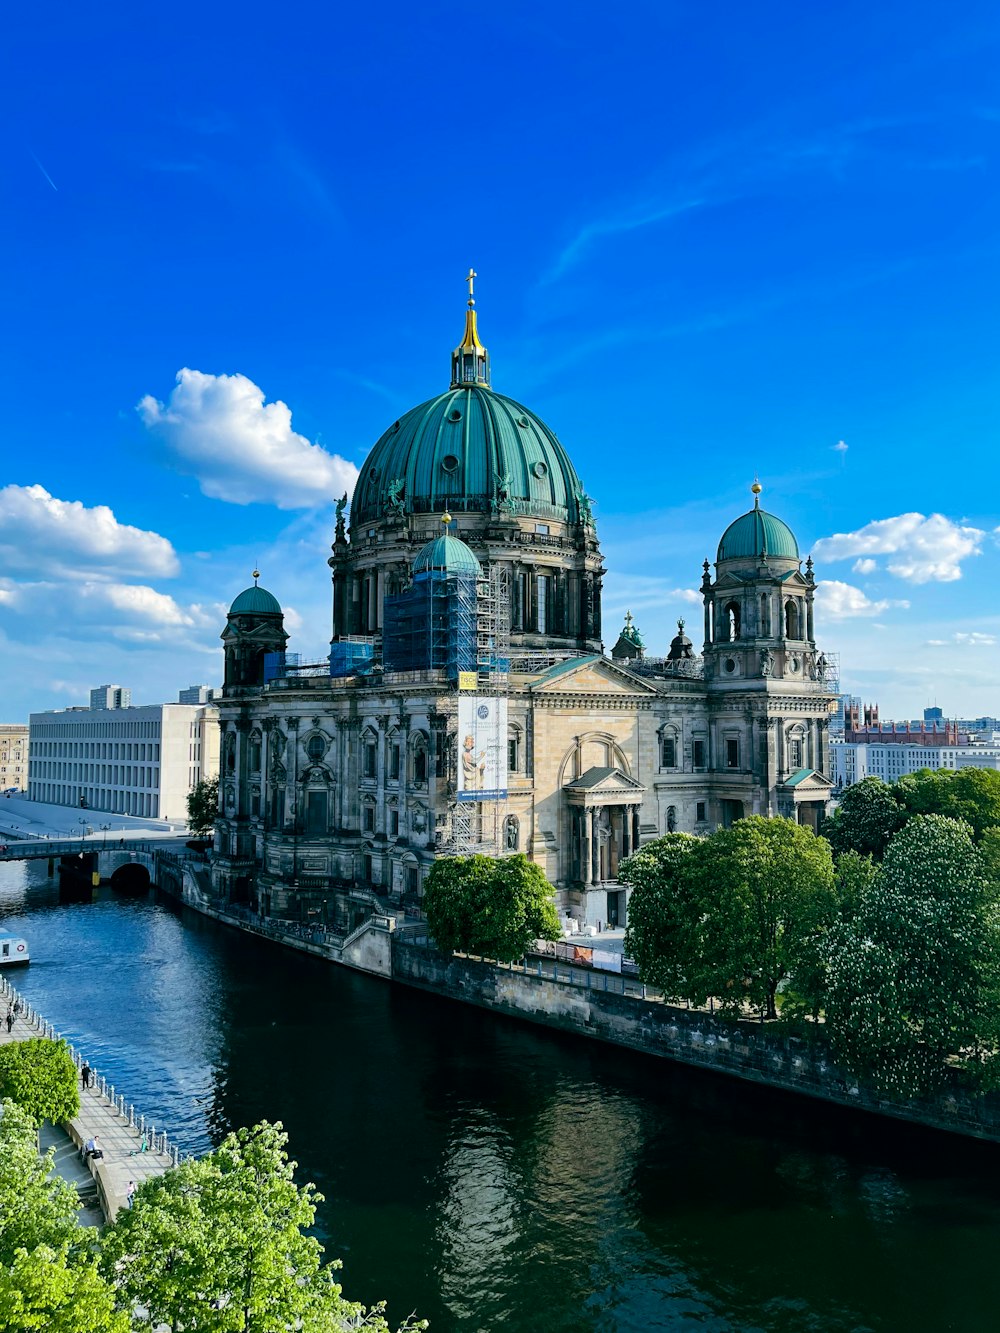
132	877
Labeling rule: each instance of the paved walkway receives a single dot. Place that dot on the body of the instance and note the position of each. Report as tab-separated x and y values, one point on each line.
124	1160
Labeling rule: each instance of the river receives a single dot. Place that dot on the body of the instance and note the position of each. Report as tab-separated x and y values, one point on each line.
498	1177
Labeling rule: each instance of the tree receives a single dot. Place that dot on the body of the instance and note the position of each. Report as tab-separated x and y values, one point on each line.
494	907
866	820
767	889
914	978
40	1076
221	1244
49	1290
665	916
203	806
36	1207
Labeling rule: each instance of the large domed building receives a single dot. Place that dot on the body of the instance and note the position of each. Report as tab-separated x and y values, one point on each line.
514	497
468	704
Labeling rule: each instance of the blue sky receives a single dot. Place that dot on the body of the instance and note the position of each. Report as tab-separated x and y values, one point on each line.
711	240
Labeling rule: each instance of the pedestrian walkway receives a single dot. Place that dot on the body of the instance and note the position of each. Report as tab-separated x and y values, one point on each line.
119	1136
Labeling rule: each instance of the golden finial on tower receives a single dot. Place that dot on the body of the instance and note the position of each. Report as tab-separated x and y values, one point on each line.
756	488
256	576
470	361
446	518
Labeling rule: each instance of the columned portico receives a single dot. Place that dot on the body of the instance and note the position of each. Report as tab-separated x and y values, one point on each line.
603	808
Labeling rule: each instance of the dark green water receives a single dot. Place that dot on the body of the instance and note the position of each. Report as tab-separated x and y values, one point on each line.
498	1177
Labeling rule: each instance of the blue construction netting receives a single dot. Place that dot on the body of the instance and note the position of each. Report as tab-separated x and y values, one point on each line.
432	625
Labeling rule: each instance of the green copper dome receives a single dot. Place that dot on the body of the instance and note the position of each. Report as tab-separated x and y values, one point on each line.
757	534
448	553
255	601
468	450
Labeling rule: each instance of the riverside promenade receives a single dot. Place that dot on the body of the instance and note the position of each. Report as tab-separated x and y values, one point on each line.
133	1150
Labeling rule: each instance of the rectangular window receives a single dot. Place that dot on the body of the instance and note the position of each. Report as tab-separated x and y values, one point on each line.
699	754
795	754
316	812
700	812
512	756
394	762
369	760
732	752
368	819
542	529
412	880
669	752
542	587
393	822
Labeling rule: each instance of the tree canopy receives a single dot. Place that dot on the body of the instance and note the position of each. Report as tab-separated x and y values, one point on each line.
36	1207
203	806
491	906
731	915
914	980
222	1244
866	820
40	1076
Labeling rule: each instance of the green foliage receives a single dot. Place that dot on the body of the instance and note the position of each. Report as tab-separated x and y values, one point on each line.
914	978
866	820
36	1207
40	1076
494	907
50	1290
664	931
221	1244
730	916
203	806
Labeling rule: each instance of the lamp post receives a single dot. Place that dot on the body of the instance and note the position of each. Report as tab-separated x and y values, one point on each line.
104	830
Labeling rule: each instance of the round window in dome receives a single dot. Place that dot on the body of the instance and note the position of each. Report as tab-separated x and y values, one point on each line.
523	422
449	463
454	415
539	469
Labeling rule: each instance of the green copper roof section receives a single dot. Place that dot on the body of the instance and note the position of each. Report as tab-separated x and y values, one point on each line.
255	601
468	450
757	534
448	553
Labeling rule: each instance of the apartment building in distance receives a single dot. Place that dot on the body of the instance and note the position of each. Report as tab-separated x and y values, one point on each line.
122	760
13	756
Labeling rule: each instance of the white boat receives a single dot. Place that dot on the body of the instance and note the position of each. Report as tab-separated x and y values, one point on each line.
13	950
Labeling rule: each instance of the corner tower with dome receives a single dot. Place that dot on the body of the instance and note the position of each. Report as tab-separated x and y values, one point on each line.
342	779
514	496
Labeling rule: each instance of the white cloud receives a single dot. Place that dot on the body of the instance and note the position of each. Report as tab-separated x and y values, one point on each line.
921	549
129	611
41	535
840	447
975	639
865	566
840	601
242	449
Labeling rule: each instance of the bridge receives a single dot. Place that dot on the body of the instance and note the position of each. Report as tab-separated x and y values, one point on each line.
84	863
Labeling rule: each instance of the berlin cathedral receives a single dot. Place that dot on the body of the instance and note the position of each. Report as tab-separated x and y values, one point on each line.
468	703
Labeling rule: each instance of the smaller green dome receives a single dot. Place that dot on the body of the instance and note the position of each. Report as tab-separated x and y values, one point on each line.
756	534
449	554
255	601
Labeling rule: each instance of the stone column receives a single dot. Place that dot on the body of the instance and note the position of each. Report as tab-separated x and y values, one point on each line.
292	772
587	850
595	845
708	621
635	828
810	633
626	830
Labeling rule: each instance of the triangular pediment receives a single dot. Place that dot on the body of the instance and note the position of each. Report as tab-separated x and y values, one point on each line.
599	780
589	675
807	779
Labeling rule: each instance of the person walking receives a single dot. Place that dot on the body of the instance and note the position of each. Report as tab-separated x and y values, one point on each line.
85	1075
130	1194
10	1019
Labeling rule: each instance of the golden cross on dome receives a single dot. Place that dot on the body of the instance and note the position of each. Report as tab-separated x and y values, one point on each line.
473	275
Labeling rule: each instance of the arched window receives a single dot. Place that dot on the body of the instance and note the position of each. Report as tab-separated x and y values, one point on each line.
732	613
765	616
512	833
671	818
668	752
316	747
419	759
514	749
791	620
255	752
230	753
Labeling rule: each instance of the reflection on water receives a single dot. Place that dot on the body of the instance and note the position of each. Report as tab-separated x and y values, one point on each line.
499	1177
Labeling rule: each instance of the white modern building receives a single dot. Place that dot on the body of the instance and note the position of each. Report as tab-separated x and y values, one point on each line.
129	761
853	762
111	696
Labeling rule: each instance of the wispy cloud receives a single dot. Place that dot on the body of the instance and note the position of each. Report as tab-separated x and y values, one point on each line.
43	171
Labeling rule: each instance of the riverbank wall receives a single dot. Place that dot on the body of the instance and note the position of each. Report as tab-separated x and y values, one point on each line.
740	1049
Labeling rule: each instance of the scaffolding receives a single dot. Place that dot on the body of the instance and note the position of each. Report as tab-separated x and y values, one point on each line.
432	625
479	826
